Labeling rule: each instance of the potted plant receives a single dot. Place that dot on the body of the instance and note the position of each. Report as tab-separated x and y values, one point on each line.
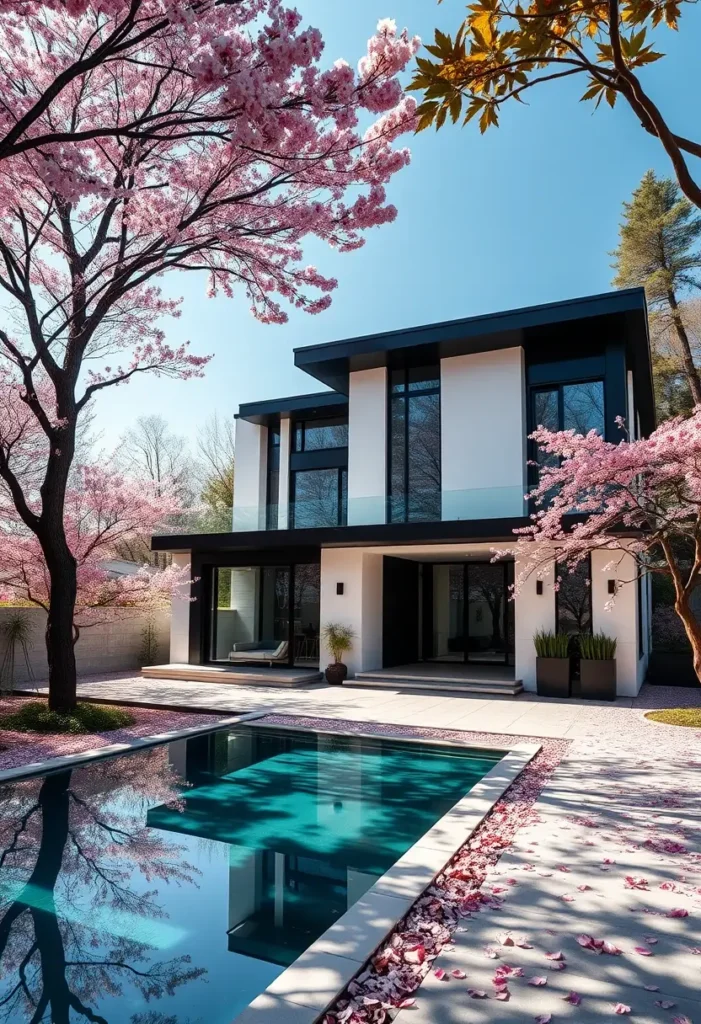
339	640
552	664
597	667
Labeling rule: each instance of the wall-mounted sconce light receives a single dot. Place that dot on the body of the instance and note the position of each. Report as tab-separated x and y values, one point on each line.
539	587
339	588
612	586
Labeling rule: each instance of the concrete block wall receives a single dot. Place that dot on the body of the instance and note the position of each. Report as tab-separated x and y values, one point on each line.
110	647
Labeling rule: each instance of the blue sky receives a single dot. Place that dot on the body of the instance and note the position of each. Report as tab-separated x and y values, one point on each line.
528	213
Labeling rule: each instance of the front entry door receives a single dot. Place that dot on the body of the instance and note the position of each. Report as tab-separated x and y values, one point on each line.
470	615
400	612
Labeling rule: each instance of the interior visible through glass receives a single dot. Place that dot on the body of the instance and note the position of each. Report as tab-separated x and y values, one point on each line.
175	884
252	622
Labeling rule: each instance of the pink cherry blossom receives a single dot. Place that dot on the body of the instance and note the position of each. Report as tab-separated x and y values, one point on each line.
143	137
638	501
543	1018
574	998
621	1008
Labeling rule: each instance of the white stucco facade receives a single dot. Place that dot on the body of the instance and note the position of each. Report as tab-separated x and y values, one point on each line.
367	446
359	606
251	467
180	608
483	435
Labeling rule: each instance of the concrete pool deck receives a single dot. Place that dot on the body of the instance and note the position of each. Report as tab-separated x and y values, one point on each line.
622	813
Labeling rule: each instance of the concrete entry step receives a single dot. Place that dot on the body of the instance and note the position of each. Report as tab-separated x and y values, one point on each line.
237	675
435	681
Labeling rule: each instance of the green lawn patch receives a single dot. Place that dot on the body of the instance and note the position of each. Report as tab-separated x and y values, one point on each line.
35	716
677	716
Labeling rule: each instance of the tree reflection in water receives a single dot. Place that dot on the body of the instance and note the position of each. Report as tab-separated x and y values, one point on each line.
73	847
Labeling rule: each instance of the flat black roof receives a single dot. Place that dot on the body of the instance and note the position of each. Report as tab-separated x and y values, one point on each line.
323	402
331	362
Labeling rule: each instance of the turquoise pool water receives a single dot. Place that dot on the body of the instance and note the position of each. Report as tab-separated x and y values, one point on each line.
173	885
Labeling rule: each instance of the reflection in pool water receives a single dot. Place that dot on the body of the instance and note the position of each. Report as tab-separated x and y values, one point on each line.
173	885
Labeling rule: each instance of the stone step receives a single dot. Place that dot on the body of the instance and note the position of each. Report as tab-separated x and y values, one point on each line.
234	677
448	684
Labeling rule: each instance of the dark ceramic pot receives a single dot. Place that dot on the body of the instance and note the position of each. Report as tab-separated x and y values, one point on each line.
553	677
597	679
335	673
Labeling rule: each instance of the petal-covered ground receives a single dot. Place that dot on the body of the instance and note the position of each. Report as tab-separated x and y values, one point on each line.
21	748
578	898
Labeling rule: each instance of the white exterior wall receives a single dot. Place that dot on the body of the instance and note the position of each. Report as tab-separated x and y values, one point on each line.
360	605
621	619
251	466
367	446
284	490
532	613
483	435
180	607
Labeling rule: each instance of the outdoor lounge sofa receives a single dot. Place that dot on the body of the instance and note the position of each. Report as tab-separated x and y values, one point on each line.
263	651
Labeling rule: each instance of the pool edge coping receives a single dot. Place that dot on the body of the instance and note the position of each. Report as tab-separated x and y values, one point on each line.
64	761
434	849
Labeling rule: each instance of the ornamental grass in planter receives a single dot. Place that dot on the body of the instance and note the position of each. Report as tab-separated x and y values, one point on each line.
552	664
597	666
338	639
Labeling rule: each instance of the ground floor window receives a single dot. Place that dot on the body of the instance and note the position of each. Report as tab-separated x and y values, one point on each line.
573	598
266	614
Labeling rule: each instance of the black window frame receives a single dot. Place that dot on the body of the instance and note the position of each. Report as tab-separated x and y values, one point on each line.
342	493
299	429
408	390
559	386
564	573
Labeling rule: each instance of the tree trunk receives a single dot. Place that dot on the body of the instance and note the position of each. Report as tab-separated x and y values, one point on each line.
60	649
683	609
690	370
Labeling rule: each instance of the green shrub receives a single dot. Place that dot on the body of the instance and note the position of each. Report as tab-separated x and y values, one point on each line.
551	645
35	716
597	647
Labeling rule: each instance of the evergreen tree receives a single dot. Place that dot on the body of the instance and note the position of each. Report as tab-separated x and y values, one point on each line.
659	249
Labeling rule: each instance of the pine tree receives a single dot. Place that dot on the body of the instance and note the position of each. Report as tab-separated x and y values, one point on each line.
659	249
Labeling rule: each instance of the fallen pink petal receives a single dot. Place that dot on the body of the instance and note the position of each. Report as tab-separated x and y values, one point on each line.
621	1008
574	998
538	981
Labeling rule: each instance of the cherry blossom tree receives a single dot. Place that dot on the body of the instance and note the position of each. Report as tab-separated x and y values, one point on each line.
639	500
214	144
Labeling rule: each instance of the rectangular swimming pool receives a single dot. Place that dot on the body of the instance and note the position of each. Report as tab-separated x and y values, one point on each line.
176	883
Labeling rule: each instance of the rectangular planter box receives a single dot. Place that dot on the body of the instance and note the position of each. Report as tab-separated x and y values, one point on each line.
597	679
553	677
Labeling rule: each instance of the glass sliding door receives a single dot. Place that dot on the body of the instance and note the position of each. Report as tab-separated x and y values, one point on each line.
487	597
266	614
470	613
250	613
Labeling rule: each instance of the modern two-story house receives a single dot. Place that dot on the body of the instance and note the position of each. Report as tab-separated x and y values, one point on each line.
377	503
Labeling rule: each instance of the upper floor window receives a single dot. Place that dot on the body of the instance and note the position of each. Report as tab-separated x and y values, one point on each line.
318	435
415	445
579	407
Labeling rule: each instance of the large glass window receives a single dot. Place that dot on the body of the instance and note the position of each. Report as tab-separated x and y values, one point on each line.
273	482
415	445
320	498
573	598
251	614
578	407
318	435
265	614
